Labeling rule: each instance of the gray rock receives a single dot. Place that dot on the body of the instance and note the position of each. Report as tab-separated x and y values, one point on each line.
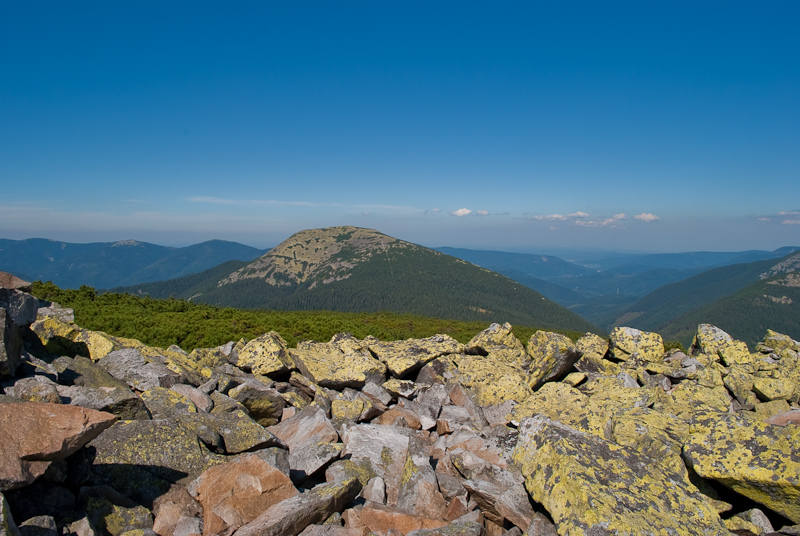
187	526
39	526
309	426
264	404
10	345
20	306
240	433
375	490
131	367
35	389
312	457
200	399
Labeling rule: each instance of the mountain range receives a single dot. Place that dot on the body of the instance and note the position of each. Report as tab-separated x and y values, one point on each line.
113	264
355	269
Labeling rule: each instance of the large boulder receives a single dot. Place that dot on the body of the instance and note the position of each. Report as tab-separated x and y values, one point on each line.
625	342
592	486
499	342
756	459
552	357
10	345
34	434
342	362
20	306
264	355
405	357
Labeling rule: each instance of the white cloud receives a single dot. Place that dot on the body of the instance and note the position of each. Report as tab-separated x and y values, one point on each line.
620	216
461	212
790	222
645	216
482	213
367	213
789	213
579	215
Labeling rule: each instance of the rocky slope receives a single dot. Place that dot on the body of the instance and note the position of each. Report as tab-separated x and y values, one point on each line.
102	435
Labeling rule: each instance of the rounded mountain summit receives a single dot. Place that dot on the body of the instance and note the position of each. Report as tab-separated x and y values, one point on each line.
352	269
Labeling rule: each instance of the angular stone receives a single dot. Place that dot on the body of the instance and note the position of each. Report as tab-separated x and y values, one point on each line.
165	403
116	520
200	399
419	490
347	410
342	362
330	530
398	388
312	457
498	342
34	434
375	490
552	357
398	415
452	418
97	389
402	358
264	404
380	519
756	459
624	342
291	516
377	394
237	492
8	280
264	355
710	340
592	345
652	433
385	448
168	449
499	503
493	382
39	526
786	417
20	306
65	338
309	426
186	526
590	486
239	432
130	366
171	507
774	388
429	402
35	389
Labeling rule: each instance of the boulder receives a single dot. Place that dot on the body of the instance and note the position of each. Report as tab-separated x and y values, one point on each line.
116	520
237	492
35	434
419	490
263	403
97	389
592	486
264	355
552	357
35	389
309	426
592	345
492	382
405	357
291	516
758	460
11	281
165	403
381	519
240	433
130	366
624	342
20	306
200	399
342	362
498	342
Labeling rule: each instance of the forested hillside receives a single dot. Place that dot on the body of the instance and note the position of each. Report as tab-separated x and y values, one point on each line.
189	325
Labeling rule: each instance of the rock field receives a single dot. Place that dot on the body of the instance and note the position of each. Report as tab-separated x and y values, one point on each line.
101	435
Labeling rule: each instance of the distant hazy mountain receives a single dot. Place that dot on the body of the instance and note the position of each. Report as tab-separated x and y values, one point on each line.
113	264
355	269
771	302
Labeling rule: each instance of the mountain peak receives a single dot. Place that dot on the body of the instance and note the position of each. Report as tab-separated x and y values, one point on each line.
322	255
126	243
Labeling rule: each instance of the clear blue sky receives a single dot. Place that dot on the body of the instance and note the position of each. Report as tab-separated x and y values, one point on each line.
653	126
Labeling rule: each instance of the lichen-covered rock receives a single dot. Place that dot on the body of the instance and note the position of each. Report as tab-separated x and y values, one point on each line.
20	306
116	520
591	486
35	389
654	434
63	338
404	357
492	382
592	345
168	449
689	397
264	355
756	459
624	342
777	341
774	388
264	404
239	432
419	491
552	356
499	342
342	362
309	426
165	403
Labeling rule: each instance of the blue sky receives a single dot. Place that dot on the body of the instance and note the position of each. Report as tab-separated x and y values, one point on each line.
524	126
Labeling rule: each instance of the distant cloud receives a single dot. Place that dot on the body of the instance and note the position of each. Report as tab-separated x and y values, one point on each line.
646	216
613	221
367	213
482	213
461	212
579	215
784	217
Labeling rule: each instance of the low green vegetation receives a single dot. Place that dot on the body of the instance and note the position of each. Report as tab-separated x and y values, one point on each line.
164	322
